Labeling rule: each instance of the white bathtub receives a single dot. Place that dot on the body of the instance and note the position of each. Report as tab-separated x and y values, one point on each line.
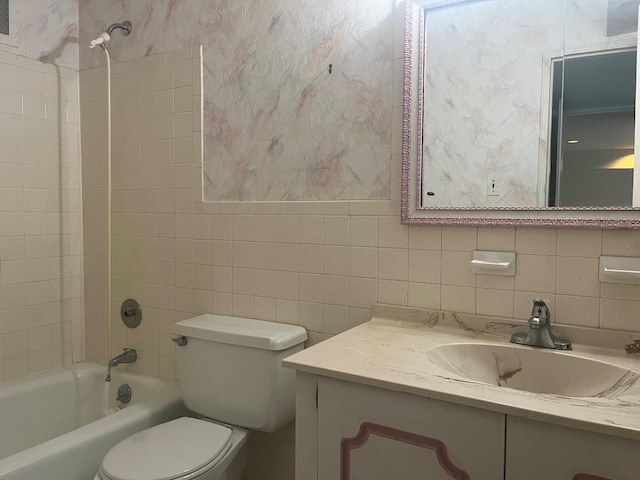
52	426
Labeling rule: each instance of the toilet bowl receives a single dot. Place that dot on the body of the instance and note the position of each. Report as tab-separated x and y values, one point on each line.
230	371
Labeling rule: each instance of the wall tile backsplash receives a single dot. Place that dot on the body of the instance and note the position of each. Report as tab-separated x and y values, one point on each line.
152	222
41	290
318	264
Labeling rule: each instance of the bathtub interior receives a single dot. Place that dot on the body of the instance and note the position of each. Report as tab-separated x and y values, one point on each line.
43	407
32	412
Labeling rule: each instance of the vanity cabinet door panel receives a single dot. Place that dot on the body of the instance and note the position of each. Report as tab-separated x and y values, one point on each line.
367	433
537	450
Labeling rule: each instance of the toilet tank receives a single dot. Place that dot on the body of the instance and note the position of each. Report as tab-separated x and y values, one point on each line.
231	370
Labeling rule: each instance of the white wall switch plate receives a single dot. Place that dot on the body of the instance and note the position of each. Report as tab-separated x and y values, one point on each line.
493	186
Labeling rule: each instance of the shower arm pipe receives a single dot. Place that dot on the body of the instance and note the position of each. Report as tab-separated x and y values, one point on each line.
124	26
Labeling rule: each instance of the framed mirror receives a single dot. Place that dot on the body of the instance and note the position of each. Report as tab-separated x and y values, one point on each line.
521	113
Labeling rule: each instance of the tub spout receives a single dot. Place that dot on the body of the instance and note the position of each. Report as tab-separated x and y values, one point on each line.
129	355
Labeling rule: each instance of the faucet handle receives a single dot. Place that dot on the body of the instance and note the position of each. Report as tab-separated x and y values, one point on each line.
537	305
540	314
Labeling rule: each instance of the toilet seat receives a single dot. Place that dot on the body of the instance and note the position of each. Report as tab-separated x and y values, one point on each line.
180	449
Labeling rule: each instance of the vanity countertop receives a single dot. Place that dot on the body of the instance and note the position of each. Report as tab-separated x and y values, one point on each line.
394	351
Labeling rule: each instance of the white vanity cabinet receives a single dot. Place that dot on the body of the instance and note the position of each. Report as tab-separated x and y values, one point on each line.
350	431
541	451
415	394
368	433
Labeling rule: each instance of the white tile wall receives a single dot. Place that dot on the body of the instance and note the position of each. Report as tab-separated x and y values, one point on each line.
318	264
321	265
41	290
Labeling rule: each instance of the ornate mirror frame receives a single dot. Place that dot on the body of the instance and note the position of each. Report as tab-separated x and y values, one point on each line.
413	213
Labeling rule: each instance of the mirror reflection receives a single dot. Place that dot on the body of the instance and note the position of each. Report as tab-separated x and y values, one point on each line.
596	161
528	104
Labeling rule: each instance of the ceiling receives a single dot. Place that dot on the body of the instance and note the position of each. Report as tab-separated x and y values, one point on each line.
597	83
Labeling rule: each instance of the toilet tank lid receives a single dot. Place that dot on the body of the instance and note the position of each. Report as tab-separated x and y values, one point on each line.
242	331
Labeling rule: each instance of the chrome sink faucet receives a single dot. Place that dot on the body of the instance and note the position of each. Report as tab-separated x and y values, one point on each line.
540	334
129	355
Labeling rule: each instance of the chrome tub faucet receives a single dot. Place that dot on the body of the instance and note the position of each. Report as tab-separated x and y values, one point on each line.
129	355
540	334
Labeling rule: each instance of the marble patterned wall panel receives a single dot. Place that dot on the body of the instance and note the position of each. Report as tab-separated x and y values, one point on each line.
46	31
11	41
278	125
281	127
622	16
159	26
586	26
51	31
484	68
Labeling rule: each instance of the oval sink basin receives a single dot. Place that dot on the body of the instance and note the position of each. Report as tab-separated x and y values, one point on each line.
534	370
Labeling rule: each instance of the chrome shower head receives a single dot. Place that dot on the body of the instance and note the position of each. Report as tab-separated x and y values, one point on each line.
100	41
104	37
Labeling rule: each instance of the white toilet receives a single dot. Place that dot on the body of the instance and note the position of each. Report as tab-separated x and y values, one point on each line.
230	371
